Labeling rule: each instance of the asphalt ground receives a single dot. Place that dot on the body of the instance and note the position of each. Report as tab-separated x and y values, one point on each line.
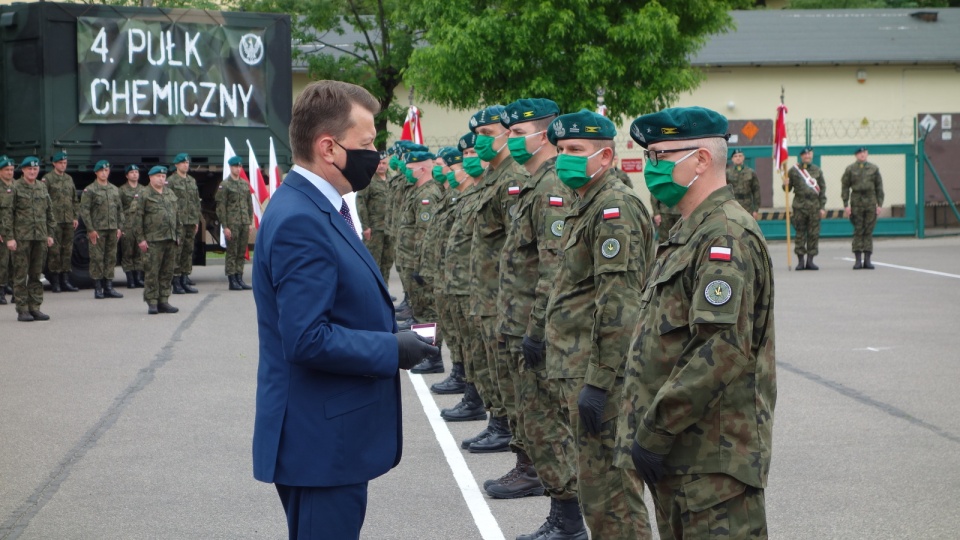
115	424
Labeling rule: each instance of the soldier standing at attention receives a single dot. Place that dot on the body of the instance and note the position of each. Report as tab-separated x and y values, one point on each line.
102	214
63	195
235	213
746	185
809	207
27	228
697	412
373	205
664	218
184	187
130	258
591	314
157	229
6	204
862	191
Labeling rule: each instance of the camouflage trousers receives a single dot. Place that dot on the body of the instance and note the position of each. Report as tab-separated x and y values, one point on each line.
236	249
407	283
548	439
130	257
6	265
28	262
695	506
864	219
667	221
446	325
58	255
490	340
467	336
425	305
103	254
381	248
184	261
509	354
806	221
611	498
158	266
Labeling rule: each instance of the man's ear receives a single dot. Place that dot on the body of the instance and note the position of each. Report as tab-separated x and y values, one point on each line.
324	149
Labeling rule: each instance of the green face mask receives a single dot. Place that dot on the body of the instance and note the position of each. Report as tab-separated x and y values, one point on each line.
438	174
452	179
572	170
484	147
409	174
518	148
472	166
393	163
659	180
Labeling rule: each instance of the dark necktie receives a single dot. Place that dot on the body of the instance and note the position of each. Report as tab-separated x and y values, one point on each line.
345	212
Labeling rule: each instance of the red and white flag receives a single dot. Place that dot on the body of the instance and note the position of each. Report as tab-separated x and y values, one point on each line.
611	213
411	127
780	151
720	253
274	170
258	188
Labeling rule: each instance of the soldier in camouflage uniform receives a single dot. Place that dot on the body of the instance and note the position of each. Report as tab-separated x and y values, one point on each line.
7	168
697	411
235	213
157	229
27	228
862	191
664	218
184	187
130	258
63	194
401	193
102	214
373	204
591	314
746	185
809	207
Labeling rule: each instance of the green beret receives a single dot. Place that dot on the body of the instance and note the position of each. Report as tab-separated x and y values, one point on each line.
450	155
30	161
419	157
59	156
678	124
181	157
735	152
102	164
467	141
485	117
131	167
235	160
6	162
581	125
861	149
805	150
528	110
157	169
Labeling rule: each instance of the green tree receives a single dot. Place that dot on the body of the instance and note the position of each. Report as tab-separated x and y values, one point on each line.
637	51
868	4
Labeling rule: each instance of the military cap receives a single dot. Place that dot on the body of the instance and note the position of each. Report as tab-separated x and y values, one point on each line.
585	124
861	149
157	169
678	124
131	167
30	161
450	155
419	157
736	151
102	164
235	160
805	150
59	156
6	162
181	157
467	141
485	117
528	110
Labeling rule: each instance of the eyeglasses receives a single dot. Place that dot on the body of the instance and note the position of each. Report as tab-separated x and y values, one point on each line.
654	155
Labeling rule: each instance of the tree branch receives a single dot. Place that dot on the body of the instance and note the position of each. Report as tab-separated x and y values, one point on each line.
384	30
366	35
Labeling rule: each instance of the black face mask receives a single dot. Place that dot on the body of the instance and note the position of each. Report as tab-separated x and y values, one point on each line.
360	167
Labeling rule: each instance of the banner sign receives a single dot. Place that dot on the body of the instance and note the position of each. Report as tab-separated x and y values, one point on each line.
631	165
159	72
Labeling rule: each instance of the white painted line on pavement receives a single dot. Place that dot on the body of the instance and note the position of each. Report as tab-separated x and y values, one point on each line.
912	269
482	516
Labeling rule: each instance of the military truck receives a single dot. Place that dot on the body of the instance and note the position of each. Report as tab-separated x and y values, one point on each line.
140	85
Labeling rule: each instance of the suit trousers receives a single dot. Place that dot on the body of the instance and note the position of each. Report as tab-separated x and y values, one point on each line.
324	513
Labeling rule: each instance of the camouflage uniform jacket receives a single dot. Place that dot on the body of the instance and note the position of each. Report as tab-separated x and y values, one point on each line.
100	207
499	198
624	177
593	307
30	213
185	188
6	204
158	217
804	196
456	254
701	381
746	186
399	187
373	204
234	203
415	215
657	208
435	237
63	195
528	262
861	185
130	198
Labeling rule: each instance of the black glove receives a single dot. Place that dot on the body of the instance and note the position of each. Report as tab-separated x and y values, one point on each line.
649	464
413	348
418	278
591	403
532	352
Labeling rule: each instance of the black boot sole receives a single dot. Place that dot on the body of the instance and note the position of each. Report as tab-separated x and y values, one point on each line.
478	416
490	450
529	492
443	391
432	369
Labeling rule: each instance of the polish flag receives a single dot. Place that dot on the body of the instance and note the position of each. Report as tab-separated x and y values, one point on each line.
780	152
274	170
411	127
610	213
513	190
258	188
720	253
556	201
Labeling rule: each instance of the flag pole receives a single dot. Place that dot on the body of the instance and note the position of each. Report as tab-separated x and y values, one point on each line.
781	166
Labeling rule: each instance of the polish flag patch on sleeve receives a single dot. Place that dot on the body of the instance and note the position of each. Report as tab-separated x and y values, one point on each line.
556	201
513	190
424	201
611	213
720	253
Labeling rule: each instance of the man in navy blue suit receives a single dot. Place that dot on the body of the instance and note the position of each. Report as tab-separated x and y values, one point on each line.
328	385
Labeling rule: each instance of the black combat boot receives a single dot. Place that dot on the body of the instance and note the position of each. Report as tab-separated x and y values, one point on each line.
234	286
454	384
177	286
570	525
465	444
138	275
866	260
810	265
431	364
164	307
108	289
405	325
243	284
186	286
131	283
152	309
39	315
65	283
498	440
469	408
187	280
857	265
98	289
521	481
54	283
23	316
3	301
553	520
801	265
